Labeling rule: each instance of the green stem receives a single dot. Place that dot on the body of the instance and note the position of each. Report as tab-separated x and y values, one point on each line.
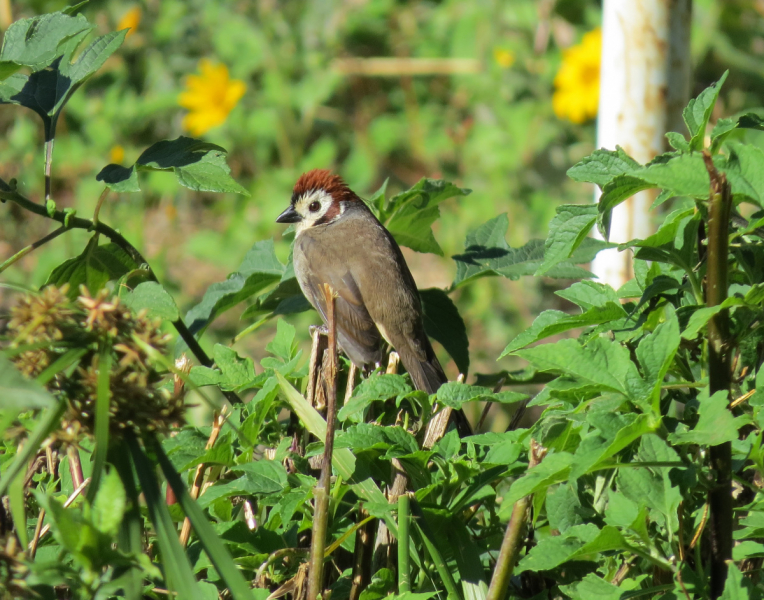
510	550
24	251
73	222
720	496
404	569
437	558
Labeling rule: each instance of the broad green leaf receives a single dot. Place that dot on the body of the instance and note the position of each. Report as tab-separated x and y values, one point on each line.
153	298
455	394
601	166
284	345
97	265
716	424
443	323
736	587
567	230
601	363
593	587
19	393
698	112
259	269
552	551
487	253
412	227
379	387
678	141
198	165
563	508
553	322
236	371
588	294
37	42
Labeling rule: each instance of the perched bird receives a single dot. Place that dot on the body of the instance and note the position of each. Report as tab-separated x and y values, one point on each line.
339	241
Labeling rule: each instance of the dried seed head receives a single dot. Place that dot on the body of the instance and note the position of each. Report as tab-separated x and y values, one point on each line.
139	399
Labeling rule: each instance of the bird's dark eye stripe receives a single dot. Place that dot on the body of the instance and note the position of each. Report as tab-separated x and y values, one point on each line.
314	206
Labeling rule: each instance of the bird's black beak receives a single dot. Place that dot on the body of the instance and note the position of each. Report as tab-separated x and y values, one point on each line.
290	215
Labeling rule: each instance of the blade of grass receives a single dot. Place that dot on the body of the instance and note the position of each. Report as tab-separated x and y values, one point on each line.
62	363
103	398
404	569
213	546
129	538
437	558
18	510
48	422
177	570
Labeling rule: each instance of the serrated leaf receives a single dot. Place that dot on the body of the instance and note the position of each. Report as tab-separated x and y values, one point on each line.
110	503
259	269
698	112
443	323
198	165
236	371
37	42
716	423
455	394
93	268
567	230
656	352
588	294
601	166
555	468
153	298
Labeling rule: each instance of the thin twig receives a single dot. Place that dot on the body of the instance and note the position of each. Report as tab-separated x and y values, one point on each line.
75	466
74	222
24	251
321	491
101	198
46	529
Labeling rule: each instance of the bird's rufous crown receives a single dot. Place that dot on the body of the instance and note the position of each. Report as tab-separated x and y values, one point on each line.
323	179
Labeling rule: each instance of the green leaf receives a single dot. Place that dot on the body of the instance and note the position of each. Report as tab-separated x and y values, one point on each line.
588	294
284	345
109	504
236	371
736	587
198	165
259	269
555	468
487	253
716	424
37	42
602	363
412	227
19	393
698	112
592	587
567	230
553	322
261	477
443	323
678	141
552	551
380	387
456	394
93	268
153	298
601	166
655	354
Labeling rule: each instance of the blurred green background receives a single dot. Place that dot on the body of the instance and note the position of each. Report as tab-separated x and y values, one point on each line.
491	129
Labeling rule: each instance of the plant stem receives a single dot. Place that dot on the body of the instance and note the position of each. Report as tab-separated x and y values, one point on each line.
72	222
48	163
720	496
321	492
514	536
437	558
404	570
24	251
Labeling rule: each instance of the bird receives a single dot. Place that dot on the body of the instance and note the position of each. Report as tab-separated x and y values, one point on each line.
340	242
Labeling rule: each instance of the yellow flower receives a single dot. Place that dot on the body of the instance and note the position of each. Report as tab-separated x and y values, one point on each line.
209	97
577	83
116	154
503	58
130	20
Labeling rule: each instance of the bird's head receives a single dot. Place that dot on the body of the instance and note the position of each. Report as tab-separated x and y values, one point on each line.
319	197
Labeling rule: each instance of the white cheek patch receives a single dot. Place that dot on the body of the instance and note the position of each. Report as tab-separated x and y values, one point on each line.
310	217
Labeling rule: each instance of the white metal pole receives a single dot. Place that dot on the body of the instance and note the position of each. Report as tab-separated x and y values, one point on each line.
644	84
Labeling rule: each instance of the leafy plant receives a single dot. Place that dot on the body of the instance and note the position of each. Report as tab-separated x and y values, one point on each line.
622	488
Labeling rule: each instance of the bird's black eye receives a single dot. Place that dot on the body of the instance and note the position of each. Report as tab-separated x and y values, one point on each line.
314	206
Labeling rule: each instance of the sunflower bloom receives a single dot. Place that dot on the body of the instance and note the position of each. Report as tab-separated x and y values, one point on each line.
130	20
577	83
503	58
209	97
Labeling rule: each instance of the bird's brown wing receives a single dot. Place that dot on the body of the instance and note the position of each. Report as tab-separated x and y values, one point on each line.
356	332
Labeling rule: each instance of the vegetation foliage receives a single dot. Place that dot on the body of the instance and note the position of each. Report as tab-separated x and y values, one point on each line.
649	439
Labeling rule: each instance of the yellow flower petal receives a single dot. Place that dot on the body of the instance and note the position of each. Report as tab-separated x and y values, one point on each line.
117	154
577	83
130	20
503	58
209	97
